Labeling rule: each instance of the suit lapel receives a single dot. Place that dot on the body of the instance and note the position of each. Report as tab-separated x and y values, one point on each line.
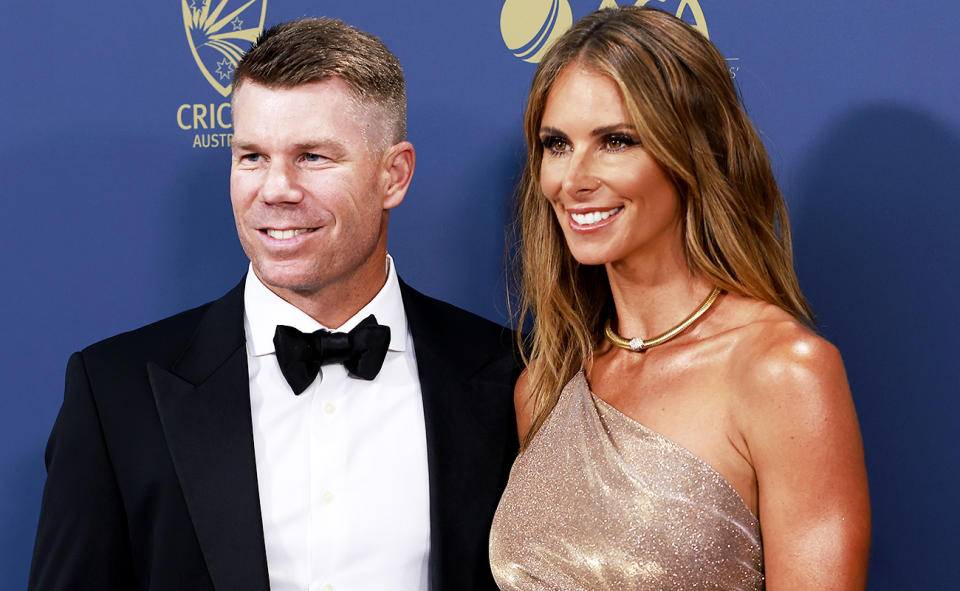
204	406
464	450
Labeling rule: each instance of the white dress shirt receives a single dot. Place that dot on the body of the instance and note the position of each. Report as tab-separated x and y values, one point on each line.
342	468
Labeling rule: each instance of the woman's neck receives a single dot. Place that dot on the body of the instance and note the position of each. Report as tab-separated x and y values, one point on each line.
652	296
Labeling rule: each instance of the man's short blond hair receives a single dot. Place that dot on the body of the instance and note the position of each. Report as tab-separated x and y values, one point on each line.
317	49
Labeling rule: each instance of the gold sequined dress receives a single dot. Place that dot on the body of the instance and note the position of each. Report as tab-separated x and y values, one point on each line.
598	501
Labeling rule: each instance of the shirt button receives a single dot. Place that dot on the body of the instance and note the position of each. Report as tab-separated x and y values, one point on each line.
326	497
327	587
329	408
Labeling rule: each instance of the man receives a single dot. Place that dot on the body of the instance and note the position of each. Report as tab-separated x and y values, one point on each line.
223	449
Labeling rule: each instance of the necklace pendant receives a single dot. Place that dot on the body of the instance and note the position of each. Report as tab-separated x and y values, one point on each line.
638	344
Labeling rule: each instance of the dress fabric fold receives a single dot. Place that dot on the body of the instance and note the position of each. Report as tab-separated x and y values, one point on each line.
598	501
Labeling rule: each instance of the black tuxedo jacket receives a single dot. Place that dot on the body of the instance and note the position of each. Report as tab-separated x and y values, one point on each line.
152	481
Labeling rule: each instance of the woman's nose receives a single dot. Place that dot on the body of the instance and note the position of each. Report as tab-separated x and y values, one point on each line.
579	180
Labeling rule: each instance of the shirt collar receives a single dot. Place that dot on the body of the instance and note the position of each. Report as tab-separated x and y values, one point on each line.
265	310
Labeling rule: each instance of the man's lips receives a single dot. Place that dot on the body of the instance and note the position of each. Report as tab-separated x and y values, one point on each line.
287	233
589	219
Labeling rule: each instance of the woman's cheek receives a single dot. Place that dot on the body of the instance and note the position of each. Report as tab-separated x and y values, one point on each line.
550	182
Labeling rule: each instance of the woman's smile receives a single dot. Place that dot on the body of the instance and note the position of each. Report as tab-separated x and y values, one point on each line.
591	219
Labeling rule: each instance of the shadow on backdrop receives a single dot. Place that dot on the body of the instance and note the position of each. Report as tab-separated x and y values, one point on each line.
878	254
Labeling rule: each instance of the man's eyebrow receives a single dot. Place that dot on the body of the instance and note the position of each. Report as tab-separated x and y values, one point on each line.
321	144
243	145
325	144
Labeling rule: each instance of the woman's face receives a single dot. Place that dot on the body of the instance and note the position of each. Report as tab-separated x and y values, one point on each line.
613	201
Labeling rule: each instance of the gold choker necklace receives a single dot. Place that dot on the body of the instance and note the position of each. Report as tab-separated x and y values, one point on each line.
638	344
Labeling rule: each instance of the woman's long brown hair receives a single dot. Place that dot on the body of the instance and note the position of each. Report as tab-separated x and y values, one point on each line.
682	101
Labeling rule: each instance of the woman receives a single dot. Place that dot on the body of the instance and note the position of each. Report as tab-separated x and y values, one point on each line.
677	408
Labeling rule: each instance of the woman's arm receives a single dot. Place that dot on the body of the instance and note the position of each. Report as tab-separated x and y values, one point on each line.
804	441
523	404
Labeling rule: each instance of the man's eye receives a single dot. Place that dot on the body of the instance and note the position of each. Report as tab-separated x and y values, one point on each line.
313	157
249	158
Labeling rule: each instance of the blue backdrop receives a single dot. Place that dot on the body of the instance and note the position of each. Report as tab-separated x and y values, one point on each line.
117	210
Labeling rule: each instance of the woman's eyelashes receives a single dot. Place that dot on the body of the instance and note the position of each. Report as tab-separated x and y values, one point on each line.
555	144
613	142
617	142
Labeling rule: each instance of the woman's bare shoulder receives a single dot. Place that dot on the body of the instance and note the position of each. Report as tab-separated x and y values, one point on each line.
798	421
780	352
784	372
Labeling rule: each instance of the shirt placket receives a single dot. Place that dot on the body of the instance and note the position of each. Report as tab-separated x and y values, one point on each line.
328	451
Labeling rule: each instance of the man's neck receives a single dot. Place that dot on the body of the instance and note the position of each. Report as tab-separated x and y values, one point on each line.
340	299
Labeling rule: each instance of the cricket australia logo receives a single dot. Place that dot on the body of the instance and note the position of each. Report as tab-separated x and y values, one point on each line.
529	27
219	36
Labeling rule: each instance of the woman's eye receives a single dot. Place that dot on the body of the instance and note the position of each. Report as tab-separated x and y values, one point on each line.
554	144
618	142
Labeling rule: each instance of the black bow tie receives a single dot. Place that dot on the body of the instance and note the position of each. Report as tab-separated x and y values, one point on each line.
361	351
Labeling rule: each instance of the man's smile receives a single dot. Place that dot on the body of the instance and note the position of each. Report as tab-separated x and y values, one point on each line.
286	234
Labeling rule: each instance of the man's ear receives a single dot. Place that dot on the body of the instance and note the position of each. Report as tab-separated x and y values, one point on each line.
398	161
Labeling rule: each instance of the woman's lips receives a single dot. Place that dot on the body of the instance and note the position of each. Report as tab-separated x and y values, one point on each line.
585	220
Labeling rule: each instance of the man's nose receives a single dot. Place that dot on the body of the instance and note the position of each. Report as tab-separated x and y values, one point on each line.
280	184
579	179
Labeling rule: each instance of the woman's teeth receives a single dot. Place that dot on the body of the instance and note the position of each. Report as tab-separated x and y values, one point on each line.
585	219
287	234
